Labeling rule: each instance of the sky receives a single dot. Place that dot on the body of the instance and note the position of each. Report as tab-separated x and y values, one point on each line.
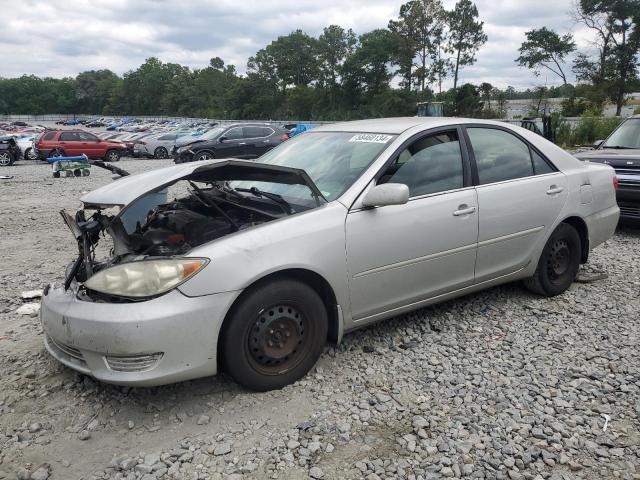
62	38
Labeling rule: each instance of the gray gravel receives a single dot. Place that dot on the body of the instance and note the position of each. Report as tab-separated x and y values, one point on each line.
498	385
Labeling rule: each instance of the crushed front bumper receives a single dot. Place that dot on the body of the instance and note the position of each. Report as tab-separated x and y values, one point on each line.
164	340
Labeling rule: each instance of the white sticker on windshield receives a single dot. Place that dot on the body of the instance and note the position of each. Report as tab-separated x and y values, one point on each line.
370	138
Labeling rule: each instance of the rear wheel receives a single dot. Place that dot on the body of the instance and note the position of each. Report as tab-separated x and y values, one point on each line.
160	152
274	335
558	264
112	156
30	154
57	152
6	159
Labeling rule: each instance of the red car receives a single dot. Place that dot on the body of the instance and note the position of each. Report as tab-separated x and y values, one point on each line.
70	143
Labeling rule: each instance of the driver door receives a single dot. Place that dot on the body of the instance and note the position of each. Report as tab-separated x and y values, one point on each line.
233	145
402	254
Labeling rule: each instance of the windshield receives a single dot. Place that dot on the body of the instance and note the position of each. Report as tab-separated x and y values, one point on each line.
333	160
627	135
214	132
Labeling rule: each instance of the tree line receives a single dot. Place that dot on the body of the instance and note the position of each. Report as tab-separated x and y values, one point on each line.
340	75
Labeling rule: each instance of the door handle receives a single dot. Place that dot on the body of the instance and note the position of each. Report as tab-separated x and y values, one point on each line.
464	210
553	189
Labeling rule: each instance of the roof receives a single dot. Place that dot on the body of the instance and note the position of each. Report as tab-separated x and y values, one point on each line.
398	125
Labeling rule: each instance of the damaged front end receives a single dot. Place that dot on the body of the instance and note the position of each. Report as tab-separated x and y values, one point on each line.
153	233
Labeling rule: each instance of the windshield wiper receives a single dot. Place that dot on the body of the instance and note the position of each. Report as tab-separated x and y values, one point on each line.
286	206
619	147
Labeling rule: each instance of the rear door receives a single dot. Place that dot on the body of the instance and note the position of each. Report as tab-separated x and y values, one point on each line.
70	143
260	140
89	144
520	195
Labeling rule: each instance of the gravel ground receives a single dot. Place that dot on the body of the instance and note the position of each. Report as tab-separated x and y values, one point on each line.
500	384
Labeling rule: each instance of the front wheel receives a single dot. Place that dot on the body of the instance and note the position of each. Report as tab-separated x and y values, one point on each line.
160	153
275	335
113	156
558	264
203	156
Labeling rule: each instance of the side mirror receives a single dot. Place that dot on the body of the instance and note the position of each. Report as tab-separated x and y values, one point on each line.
386	194
597	143
222	139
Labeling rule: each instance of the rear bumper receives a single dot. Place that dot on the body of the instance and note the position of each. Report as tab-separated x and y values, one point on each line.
173	337
602	225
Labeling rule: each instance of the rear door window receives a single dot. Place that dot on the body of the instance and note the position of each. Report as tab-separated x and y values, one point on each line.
69	137
499	155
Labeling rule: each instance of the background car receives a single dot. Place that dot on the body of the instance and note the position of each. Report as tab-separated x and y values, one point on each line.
158	145
27	147
242	140
9	151
621	150
60	143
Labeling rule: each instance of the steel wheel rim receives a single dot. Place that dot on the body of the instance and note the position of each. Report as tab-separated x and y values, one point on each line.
559	259
31	155
204	156
278	339
113	156
5	159
161	153
56	153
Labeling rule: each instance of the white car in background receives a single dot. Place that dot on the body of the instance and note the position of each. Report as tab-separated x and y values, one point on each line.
27	148
156	146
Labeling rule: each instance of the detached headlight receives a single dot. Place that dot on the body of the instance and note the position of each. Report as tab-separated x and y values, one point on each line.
146	278
183	149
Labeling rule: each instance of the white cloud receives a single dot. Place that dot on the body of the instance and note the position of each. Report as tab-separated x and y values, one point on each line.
62	38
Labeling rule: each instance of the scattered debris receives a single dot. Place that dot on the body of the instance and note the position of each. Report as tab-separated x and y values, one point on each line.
31	309
590	277
31	294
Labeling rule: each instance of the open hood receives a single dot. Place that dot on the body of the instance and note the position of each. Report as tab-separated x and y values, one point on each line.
127	189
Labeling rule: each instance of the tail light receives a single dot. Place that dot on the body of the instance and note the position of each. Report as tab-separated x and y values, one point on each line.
615	182
284	137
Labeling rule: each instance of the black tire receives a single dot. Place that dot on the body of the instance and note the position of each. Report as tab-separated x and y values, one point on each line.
112	156
206	155
56	152
56	174
30	154
6	158
558	264
274	335
160	153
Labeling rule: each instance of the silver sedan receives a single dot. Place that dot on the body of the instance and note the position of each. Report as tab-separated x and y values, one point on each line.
252	267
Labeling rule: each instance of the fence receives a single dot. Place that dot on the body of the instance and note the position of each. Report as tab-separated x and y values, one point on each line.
58	117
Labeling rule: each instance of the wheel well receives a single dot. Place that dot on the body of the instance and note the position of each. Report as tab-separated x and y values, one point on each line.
312	279
583	232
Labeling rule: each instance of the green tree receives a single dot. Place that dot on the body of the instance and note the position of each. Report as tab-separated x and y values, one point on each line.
613	71
466	35
291	60
544	48
420	32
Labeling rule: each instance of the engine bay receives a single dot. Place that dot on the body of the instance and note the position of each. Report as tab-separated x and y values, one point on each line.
154	227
